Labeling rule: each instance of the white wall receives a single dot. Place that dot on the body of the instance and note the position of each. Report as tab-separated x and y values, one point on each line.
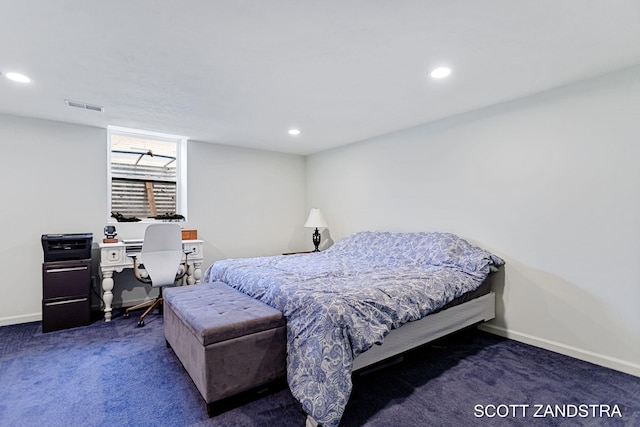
48	180
246	202
242	202
550	183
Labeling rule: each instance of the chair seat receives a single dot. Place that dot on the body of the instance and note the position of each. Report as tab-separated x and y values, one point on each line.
145	274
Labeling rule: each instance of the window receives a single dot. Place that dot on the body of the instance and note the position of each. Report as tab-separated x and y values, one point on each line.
147	175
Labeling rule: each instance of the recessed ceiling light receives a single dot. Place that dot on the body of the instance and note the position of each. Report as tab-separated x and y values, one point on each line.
294	132
440	72
17	77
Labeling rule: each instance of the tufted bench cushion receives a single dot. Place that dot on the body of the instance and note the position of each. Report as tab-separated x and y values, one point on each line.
228	342
215	312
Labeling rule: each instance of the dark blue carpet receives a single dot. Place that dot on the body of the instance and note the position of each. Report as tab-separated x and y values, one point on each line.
117	374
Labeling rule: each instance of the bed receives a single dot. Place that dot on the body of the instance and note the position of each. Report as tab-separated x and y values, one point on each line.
361	301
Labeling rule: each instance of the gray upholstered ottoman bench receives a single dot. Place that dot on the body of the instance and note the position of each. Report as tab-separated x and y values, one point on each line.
228	342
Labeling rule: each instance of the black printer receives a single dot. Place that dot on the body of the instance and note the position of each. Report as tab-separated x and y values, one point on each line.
66	247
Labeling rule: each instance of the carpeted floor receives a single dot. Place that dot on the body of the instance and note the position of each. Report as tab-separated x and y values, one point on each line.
117	374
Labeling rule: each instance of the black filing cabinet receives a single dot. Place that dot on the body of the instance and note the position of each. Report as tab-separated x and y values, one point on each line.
66	286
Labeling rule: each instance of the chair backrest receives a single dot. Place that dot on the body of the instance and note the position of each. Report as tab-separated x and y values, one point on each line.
162	252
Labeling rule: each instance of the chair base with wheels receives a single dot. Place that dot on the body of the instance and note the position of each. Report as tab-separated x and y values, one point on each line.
151	305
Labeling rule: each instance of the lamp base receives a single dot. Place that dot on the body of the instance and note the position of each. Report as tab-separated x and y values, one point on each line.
316	240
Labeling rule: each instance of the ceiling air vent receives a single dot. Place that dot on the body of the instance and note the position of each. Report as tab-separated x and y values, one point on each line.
84	106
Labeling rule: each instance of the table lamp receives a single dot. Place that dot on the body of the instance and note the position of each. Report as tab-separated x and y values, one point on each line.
315	220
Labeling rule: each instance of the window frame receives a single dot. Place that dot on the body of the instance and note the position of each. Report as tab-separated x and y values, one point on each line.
181	168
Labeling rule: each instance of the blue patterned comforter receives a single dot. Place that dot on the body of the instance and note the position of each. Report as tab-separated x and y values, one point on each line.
342	301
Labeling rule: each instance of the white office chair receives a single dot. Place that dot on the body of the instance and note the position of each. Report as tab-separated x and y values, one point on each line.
160	263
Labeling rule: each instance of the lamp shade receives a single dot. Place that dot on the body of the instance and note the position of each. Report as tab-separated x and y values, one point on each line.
315	219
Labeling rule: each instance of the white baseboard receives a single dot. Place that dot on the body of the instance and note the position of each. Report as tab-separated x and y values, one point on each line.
577	353
37	317
26	318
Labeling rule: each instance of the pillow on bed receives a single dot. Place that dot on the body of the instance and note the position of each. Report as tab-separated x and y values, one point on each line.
452	251
441	249
382	246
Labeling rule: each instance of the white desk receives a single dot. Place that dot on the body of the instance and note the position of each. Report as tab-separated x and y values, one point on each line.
113	257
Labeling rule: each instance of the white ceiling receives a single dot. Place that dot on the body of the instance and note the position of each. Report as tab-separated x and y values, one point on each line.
243	72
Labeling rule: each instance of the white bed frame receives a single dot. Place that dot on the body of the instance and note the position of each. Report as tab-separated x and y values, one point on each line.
429	328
